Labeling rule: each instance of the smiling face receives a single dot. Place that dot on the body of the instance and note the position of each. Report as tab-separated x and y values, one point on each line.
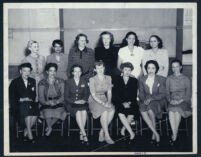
130	40
34	48
25	72
154	42
151	69
176	68
57	48
77	72
106	40
126	71
82	41
52	72
100	69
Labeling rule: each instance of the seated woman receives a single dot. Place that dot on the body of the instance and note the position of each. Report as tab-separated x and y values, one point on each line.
179	97
51	97
100	100
152	93
22	94
124	98
76	96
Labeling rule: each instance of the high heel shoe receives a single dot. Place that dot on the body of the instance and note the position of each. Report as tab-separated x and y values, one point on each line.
32	141
81	138
152	141
85	140
157	144
132	137
109	140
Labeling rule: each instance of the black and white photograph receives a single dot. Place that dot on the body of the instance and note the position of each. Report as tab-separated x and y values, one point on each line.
100	78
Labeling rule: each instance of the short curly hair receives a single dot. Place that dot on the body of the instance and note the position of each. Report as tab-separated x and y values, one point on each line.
73	67
50	65
126	65
25	65
155	63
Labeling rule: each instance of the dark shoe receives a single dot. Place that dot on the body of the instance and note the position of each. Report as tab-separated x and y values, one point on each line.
152	142
131	141
85	140
32	141
157	144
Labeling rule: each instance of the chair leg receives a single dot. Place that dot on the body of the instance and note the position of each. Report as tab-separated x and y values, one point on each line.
36	125
186	123
117	123
92	125
167	128
68	125
140	126
161	133
87	125
136	127
62	128
43	131
17	128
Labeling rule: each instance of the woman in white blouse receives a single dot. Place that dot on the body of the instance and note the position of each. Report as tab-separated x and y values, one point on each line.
131	52
157	53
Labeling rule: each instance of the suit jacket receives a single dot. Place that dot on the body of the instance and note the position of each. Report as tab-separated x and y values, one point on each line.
124	93
17	90
158	89
74	92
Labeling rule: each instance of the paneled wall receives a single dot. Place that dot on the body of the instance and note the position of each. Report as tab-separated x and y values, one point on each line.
144	22
41	25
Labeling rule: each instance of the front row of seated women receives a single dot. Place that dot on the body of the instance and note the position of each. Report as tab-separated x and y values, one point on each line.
103	98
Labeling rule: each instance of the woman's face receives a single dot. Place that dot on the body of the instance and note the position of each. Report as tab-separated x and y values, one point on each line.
25	72
176	68
151	69
52	72
126	71
100	69
154	42
106	39
82	41
77	72
131	39
34	48
57	48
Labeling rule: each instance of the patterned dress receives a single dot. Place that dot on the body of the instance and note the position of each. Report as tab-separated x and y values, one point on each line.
100	88
179	87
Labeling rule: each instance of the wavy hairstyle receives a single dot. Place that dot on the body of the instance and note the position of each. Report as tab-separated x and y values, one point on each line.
124	41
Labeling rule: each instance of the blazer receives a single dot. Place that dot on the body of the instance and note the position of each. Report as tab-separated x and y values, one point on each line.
74	92
158	89
124	93
17	90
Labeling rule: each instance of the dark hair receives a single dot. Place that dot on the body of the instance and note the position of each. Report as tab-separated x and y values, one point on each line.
124	41
25	65
57	41
29	44
49	65
78	37
177	61
152	62
100	41
160	45
73	67
99	63
126	65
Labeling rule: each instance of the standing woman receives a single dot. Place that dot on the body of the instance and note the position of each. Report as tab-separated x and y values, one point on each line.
22	94
37	62
157	53
124	98
51	97
179	97
59	58
100	103
152	95
81	55
131	52
107	53
76	96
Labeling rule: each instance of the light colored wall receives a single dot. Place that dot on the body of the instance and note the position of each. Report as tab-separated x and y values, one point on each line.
41	25
144	22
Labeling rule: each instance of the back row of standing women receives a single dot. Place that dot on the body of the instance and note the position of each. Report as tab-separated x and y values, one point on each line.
133	62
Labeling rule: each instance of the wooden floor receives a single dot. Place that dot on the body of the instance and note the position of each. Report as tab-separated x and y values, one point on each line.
57	143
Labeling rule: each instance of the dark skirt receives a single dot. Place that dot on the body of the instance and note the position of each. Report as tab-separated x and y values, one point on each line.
183	108
73	108
27	109
157	106
133	110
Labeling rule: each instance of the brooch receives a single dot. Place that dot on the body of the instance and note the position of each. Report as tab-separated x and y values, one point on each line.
82	85
32	88
158	84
